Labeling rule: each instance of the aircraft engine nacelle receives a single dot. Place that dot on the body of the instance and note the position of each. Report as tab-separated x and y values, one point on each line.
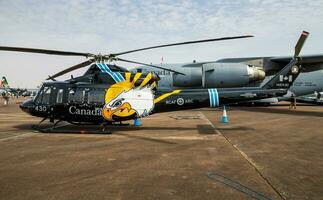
192	77
218	75
230	74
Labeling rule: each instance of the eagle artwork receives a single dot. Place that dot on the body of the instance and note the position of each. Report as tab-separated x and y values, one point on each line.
127	99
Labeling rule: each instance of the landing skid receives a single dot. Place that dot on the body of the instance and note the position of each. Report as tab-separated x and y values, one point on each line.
49	128
79	128
104	125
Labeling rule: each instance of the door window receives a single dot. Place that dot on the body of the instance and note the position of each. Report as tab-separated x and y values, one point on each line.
96	96
59	98
76	95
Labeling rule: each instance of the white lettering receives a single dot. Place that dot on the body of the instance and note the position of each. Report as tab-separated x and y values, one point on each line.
87	112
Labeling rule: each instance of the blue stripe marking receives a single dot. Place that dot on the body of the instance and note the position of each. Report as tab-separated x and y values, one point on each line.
217	103
214	97
105	69
99	65
120	76
210	97
114	76
117	77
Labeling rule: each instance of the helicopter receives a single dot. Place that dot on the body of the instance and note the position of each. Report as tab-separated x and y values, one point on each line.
108	94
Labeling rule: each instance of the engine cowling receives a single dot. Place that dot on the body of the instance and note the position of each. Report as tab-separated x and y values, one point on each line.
192	78
230	74
218	75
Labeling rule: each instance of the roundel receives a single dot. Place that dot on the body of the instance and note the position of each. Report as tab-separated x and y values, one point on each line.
180	101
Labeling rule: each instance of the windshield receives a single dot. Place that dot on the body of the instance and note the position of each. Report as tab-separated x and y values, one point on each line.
39	94
43	95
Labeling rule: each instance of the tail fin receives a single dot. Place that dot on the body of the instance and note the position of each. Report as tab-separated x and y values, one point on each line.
285	77
4	82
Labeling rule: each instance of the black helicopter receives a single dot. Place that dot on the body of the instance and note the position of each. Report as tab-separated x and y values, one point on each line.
109	93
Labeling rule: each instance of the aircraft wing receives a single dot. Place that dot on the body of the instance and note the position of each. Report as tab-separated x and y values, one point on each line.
13	90
318	58
308	59
275	63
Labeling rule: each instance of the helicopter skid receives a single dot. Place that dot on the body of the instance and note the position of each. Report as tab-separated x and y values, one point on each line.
74	128
48	128
67	129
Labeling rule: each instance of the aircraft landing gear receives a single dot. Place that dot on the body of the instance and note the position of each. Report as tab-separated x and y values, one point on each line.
90	128
103	126
46	129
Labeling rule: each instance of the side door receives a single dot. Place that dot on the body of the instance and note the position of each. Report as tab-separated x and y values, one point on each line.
59	99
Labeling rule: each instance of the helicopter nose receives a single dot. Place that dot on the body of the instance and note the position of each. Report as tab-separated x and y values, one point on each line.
27	105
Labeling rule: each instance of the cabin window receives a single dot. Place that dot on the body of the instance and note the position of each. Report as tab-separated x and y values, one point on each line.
71	93
76	95
59	98
96	96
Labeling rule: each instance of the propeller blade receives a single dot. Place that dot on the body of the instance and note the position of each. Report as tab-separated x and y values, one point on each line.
300	43
43	51
183	43
78	66
149	65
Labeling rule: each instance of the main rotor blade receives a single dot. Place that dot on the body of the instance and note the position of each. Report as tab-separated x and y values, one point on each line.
183	43
78	66
300	43
43	51
149	65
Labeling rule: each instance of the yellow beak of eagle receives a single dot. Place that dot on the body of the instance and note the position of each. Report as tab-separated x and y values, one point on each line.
123	112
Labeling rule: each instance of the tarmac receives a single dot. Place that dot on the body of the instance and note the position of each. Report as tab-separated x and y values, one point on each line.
262	153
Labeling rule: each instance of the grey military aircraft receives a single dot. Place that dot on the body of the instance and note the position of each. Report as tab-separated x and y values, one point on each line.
241	72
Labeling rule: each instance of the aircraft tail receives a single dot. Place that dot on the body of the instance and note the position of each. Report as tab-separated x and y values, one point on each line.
285	77
4	82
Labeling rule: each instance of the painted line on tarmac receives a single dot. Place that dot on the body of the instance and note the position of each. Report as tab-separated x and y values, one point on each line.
208	121
23	135
20	120
236	185
249	160
7	114
182	137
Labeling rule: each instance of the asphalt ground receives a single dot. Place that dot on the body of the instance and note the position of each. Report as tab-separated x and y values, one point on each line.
264	152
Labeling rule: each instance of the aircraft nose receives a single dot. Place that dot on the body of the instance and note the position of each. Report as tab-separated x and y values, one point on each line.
27	105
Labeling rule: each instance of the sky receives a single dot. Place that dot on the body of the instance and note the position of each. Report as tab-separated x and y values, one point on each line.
110	26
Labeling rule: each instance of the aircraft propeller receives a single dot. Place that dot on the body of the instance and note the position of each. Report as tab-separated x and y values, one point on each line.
300	43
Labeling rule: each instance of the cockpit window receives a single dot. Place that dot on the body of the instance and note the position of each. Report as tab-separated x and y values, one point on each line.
39	95
46	95
43	95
